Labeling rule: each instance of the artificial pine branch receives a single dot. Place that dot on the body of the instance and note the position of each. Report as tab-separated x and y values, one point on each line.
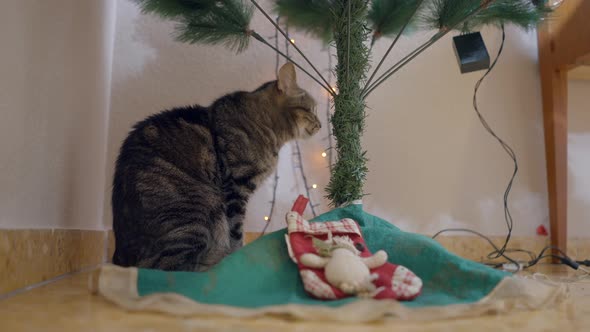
390	17
344	23
173	8
440	14
484	5
313	16
399	34
444	14
227	25
206	21
522	13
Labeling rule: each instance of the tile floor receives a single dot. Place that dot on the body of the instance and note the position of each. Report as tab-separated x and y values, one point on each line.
67	305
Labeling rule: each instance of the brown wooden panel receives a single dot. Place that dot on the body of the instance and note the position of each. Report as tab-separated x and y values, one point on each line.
571	33
554	91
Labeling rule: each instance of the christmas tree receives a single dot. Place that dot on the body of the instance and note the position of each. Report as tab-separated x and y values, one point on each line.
352	27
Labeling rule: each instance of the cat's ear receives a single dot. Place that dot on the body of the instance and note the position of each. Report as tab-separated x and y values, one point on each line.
287	78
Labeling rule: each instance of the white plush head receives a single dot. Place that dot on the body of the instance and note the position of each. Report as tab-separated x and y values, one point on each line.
325	248
344	242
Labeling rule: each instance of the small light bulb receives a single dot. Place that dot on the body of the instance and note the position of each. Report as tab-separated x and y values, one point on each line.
333	89
266	218
553	4
324	154
292	41
314	186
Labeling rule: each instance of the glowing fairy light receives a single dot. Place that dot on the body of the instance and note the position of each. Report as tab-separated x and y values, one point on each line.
314	186
324	154
266	218
292	41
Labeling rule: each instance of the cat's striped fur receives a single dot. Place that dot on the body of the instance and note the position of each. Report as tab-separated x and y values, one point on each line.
183	177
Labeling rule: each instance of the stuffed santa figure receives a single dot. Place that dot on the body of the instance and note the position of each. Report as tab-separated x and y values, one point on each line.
334	261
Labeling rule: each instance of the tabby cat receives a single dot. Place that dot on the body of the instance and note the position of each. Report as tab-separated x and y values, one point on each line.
183	177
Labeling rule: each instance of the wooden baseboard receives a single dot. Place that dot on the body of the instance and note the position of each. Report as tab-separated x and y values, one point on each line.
477	249
31	256
28	257
110	245
469	247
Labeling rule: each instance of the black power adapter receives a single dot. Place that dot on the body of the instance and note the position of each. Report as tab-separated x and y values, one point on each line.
471	52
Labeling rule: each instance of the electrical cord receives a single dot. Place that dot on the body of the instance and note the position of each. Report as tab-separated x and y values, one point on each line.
498	252
502	251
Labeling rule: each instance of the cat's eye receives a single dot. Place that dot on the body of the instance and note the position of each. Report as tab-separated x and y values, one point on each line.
306	109
311	110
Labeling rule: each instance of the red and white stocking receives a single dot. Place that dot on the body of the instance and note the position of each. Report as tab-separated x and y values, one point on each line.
317	264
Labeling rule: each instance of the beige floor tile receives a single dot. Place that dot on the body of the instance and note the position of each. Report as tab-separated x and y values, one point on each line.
67	305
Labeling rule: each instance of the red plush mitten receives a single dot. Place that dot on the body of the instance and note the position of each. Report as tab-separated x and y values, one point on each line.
334	262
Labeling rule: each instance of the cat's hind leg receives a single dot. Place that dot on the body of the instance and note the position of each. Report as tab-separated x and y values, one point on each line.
191	245
181	249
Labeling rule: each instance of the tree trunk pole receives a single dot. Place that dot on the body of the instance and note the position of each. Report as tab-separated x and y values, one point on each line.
349	172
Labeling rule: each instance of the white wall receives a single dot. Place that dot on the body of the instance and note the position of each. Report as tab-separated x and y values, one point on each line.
432	164
54	92
439	168
579	158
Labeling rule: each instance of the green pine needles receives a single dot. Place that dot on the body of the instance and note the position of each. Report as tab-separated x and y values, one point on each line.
317	17
348	122
441	14
388	17
351	26
206	21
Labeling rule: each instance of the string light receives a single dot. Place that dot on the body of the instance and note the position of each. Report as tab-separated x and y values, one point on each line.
267	218
276	176
325	154
297	153
328	115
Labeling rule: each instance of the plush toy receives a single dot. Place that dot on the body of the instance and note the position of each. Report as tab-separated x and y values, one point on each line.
343	266
335	263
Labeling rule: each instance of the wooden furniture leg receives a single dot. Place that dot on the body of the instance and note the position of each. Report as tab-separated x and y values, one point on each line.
554	90
564	43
